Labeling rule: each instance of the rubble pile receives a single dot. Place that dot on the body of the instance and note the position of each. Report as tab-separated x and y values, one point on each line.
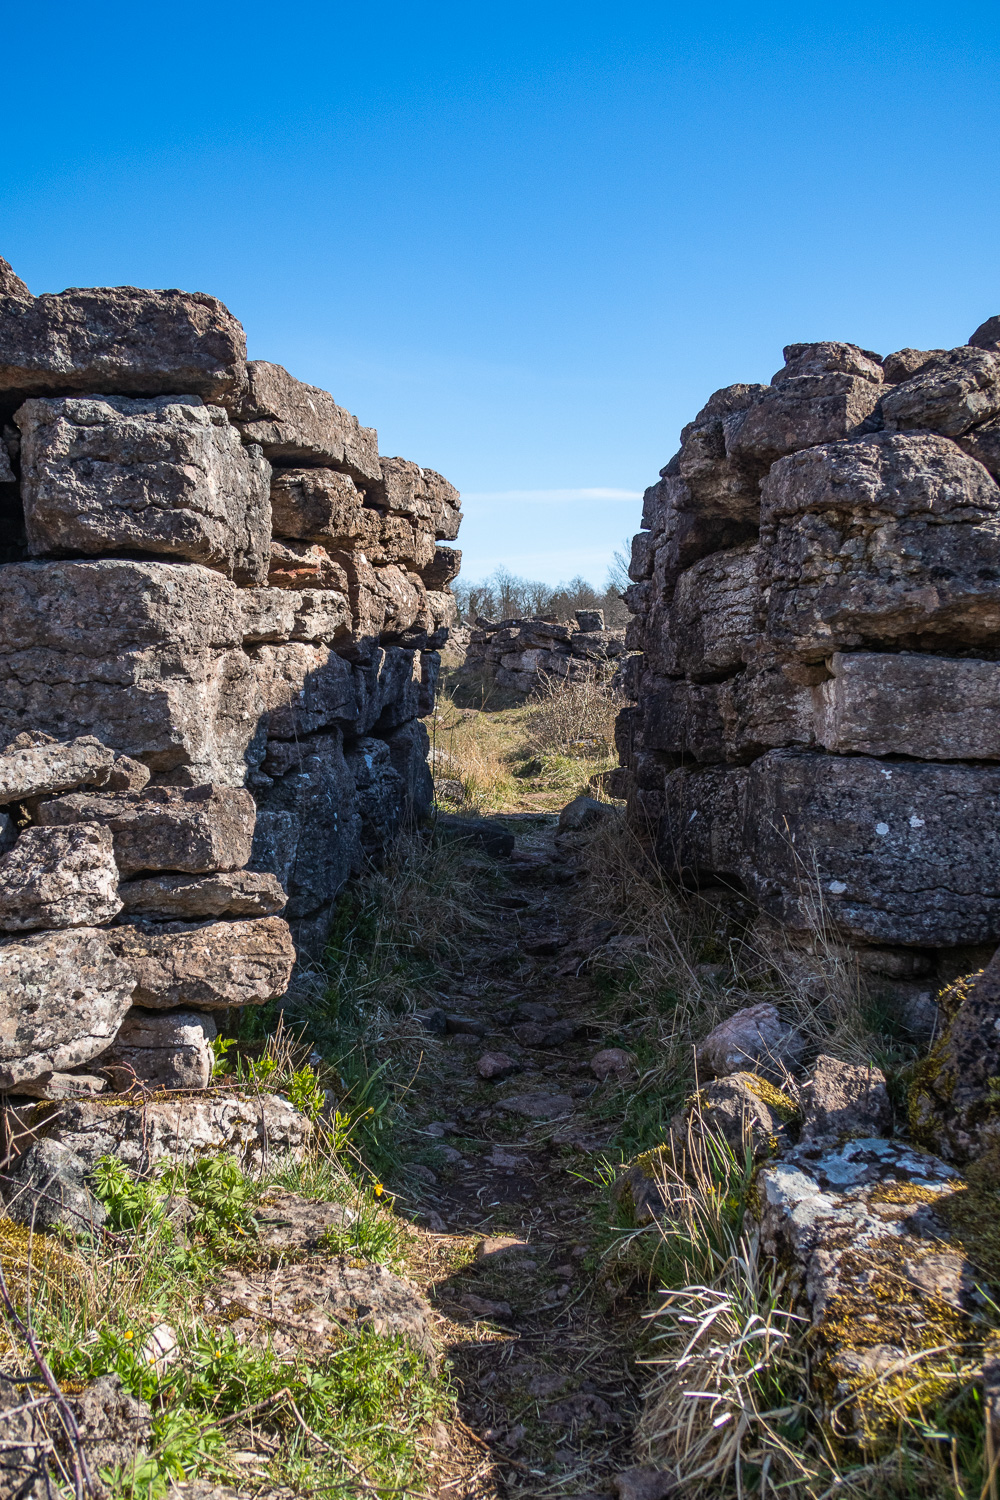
817	604
220	613
527	656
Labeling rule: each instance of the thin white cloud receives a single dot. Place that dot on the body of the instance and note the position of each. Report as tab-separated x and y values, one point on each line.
552	497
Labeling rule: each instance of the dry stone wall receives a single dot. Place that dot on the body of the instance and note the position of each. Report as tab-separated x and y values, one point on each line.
816	598
220	617
527	656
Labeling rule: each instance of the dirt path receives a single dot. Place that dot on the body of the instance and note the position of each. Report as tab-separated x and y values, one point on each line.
539	1326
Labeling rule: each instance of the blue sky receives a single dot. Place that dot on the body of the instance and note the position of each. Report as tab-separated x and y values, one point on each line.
525	242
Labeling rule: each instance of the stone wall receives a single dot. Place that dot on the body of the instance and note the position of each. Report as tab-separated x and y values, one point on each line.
220	613
527	656
817	604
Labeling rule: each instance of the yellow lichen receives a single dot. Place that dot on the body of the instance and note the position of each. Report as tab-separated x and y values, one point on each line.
782	1104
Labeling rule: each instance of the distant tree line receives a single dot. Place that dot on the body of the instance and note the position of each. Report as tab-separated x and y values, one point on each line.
505	596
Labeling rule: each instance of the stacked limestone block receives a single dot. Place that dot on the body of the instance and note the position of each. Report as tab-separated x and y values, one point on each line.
219	617
817	603
529	656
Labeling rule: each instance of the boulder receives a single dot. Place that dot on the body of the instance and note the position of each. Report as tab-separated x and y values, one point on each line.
59	877
319	616
193	829
538	1105
906	362
444	568
614	1063
290	1225
495	1066
954	1109
983	444
63	997
893	539
840	1099
143	655
115	1426
951	393
120	340
210	965
306	1308
585	812
166	475
755	1038
162	1049
801	412
239	893
827	358
46	1188
486	833
321	505
297	423
259	1130
33	764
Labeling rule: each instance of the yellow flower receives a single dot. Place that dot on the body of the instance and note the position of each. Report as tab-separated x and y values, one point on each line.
379	1190
128	1335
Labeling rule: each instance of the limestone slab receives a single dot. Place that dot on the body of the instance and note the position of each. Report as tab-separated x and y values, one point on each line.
931	707
162	1049
166	898
297	423
208	965
59	877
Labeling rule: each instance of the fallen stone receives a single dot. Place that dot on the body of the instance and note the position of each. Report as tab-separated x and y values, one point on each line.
745	1109
613	1062
548	1033
33	764
643	1482
115	1426
583	812
534	1010
46	1188
827	358
193	829
63	997
239	893
907	362
59	877
210	965
120	339
127	775
259	1131
755	1038
537	1106
288	1224
307	1307
953	1107
496	1065
497	1248
168	1050
78	1085
464	1026
481	832
482	1307
841	1099
166	475
297	423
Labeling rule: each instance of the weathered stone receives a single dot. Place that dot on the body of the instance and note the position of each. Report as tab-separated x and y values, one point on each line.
907	362
408	748
712	618
585	812
307	1307
400	539
126	775
193	829
167	1049
308	831
289	1225
209	965
538	1106
802	411
486	833
865	1228
304	565
46	1188
143	655
321	505
643	1482
891	539
258	1131
445	567
953	1106
59	877
305	688
983	444
420	493
380	799
120	339
165	898
114	1425
699	821
63	996
320	616
613	1062
77	1085
495	1066
33	764
896	851
754	1039
933	707
842	1099
950	394
389	684
297	423
987	335
828	358
168	476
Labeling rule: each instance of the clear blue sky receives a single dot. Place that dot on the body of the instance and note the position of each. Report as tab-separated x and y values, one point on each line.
523	241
